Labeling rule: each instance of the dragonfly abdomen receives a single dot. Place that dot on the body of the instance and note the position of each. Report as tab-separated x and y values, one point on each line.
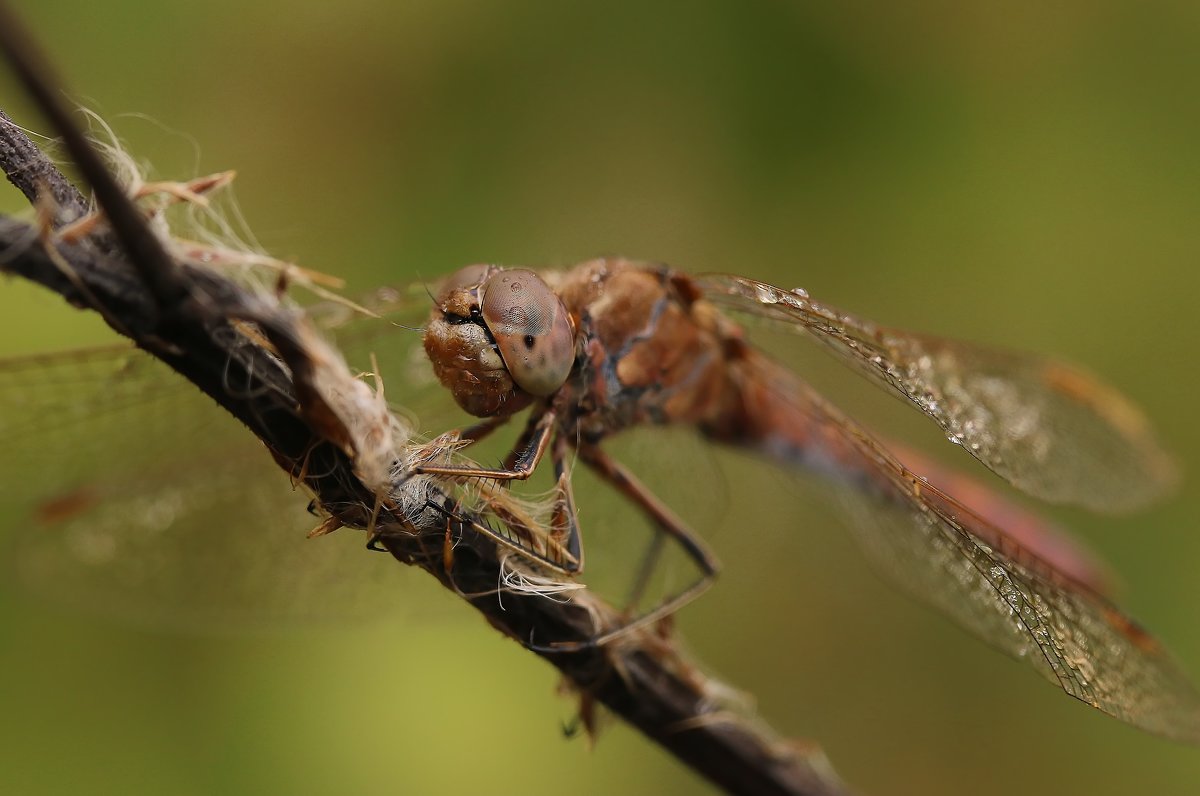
776	414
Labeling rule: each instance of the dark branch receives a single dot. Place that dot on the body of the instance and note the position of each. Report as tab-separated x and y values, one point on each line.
642	677
28	169
145	251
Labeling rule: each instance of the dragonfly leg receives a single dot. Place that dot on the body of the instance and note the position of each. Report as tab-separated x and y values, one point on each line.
564	521
477	431
469	435
554	541
519	464
557	547
663	518
457	440
646	568
668	525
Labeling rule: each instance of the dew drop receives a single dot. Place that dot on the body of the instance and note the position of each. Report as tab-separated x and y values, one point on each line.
765	294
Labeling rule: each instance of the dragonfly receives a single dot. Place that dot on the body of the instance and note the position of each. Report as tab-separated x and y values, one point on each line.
614	345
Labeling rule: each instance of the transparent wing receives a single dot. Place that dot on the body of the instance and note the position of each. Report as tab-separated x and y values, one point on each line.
1048	428
130	492
389	345
1018	600
1018	525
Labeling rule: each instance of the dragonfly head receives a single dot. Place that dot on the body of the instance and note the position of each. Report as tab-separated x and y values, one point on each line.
499	338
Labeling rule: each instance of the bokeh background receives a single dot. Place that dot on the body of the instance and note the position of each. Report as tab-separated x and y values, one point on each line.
1023	174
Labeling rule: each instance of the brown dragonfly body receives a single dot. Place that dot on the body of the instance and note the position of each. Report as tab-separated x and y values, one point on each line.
613	344
654	351
646	349
637	344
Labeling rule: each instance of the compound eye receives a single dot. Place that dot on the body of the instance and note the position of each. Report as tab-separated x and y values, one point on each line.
467	277
532	329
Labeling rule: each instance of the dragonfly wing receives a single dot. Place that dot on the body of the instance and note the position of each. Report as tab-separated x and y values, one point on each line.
1072	637
1047	427
131	493
1010	595
389	345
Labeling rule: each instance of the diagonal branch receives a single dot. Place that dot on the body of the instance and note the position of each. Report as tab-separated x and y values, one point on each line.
289	405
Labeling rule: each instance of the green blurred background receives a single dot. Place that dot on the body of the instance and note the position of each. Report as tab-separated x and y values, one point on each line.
1009	173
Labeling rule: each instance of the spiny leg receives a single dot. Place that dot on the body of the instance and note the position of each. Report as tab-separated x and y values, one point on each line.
556	542
666	523
467	436
557	546
457	440
624	481
565	521
646	569
526	448
519	464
